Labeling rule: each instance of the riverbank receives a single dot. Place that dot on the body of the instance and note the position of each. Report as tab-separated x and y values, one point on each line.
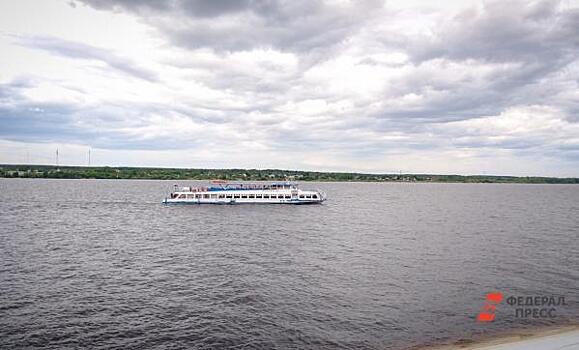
549	338
138	173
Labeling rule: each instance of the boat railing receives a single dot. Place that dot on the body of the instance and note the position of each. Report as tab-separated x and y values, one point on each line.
234	187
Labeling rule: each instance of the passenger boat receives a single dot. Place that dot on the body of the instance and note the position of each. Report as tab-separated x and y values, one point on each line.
221	192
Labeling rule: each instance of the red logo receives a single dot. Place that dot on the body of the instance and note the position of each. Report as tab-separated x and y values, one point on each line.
487	312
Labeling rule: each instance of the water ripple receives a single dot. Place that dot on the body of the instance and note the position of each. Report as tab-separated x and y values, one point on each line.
102	264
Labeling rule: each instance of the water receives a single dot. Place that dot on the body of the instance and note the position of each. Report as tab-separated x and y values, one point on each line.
102	264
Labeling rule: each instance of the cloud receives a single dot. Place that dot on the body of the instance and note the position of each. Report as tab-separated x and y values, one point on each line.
498	31
232	25
486	58
519	127
345	82
83	51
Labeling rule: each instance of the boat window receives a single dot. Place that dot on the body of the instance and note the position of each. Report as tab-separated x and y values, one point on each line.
229	196
309	196
258	196
235	196
213	195
315	196
287	196
197	195
243	196
206	195
251	196
266	196
221	196
302	196
189	196
181	196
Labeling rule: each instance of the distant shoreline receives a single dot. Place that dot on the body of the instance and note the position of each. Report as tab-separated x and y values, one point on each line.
179	174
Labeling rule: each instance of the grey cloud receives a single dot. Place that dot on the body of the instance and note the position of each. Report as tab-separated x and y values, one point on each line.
78	50
214	8
245	24
192	8
204	8
25	120
522	49
130	5
540	35
50	122
106	125
536	41
33	121
506	31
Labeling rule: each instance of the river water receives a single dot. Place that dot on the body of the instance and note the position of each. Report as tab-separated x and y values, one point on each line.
103	264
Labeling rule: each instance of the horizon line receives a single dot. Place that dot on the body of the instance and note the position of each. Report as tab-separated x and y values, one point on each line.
287	170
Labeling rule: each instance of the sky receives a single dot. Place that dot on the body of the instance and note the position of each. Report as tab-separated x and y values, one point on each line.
461	87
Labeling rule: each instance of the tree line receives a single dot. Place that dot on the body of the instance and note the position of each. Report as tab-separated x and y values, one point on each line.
75	172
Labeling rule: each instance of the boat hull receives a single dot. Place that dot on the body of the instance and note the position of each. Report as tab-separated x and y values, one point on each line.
232	202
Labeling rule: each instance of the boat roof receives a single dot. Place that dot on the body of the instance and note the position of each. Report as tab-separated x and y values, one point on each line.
249	186
223	185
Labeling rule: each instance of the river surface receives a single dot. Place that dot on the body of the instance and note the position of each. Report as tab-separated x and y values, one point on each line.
103	264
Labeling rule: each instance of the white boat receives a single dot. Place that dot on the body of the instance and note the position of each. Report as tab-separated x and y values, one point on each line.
220	192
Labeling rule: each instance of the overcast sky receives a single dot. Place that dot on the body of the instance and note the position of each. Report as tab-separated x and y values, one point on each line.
468	87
